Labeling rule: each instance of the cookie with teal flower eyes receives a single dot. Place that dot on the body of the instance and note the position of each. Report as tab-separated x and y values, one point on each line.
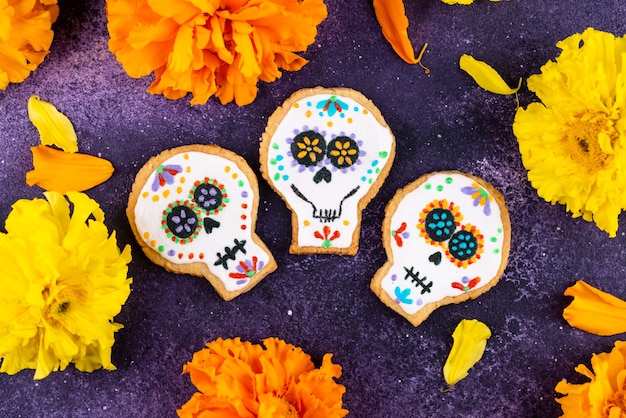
447	238
326	152
193	210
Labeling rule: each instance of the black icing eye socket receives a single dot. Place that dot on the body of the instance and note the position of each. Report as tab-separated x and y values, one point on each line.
439	224
208	196
308	148
343	152
181	221
463	245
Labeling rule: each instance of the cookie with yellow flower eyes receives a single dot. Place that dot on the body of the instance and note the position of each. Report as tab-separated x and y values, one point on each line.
326	152
193	210
447	238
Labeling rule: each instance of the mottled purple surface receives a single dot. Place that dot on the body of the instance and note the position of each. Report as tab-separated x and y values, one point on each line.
323	303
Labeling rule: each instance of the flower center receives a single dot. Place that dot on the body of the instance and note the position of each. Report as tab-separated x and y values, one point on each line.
617	401
583	142
63	302
288	410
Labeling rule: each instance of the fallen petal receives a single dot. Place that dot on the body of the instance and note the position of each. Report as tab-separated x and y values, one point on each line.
53	126
61	171
595	311
470	339
485	76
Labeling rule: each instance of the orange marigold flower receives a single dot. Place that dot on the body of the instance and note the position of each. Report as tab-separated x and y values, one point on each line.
25	37
605	394
240	379
211	47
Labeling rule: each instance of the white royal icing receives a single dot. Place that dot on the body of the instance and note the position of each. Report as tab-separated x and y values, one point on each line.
324	197
220	244
415	279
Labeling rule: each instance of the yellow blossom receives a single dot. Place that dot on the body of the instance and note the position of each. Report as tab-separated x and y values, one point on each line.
470	339
25	37
572	143
211	47
240	379
59	309
604	396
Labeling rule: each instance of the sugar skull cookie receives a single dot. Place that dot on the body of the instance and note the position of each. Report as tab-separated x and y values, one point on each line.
447	238
326	152
193	210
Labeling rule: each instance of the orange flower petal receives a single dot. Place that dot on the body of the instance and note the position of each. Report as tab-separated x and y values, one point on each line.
595	311
62	171
394	23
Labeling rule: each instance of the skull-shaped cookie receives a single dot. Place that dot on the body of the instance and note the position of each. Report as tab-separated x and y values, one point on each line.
193	210
326	152
447	238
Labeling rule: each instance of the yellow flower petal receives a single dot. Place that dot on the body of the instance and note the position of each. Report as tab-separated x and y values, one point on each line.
53	126
595	311
62	171
470	339
485	76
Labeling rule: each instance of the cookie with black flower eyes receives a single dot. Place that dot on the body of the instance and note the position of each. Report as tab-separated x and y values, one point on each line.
447	238
193	210
326	152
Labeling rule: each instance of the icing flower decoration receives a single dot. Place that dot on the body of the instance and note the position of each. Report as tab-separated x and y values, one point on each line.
240	379
327	238
25	37
595	311
485	76
343	152
603	395
572	143
66	170
207	48
60	309
470	339
332	106
481	197
247	269
165	175
308	148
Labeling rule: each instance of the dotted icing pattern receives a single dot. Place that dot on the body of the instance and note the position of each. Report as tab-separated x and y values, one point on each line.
448	239
196	207
324	156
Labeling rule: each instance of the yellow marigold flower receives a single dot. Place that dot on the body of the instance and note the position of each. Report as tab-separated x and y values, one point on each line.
211	47
604	396
25	37
573	142
59	309
241	379
595	311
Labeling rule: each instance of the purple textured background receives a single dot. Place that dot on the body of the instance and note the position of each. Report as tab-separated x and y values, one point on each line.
323	303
